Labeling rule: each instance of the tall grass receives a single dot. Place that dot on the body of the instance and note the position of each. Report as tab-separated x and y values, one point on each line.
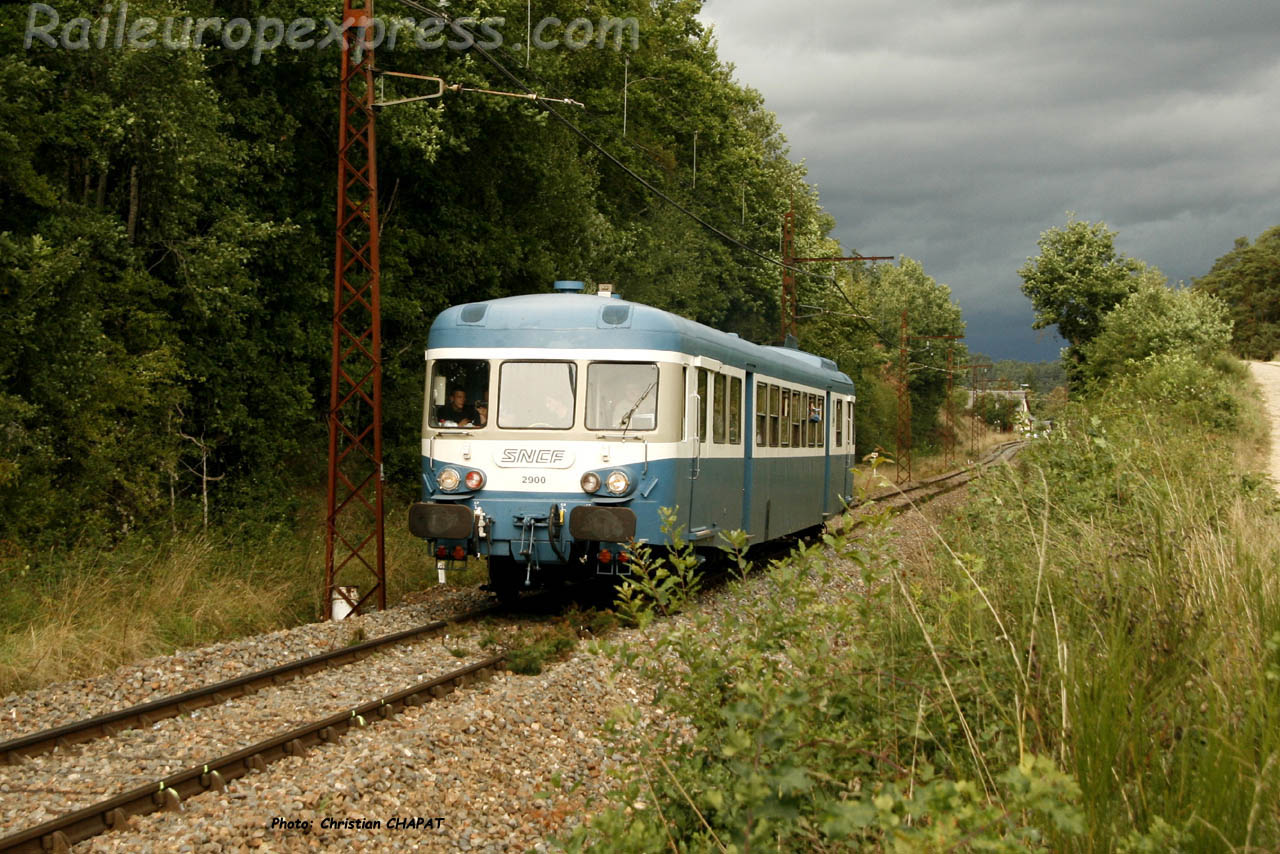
1132	560
76	612
1089	662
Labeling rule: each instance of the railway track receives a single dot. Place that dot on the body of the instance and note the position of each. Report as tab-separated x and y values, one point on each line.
101	745
170	790
928	488
147	714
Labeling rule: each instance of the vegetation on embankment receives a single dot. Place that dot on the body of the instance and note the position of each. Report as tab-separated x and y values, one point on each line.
1091	661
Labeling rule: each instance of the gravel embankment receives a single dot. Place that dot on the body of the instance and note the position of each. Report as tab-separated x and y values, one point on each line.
502	764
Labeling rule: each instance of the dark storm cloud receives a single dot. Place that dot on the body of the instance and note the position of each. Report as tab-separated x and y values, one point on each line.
956	132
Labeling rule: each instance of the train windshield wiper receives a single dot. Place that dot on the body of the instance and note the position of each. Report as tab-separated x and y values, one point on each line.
625	421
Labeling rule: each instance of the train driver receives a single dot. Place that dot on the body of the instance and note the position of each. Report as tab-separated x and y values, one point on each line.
456	412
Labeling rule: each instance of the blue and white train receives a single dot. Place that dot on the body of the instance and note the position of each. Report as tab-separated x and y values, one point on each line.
556	425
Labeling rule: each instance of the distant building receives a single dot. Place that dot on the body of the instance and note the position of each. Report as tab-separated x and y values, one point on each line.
1018	394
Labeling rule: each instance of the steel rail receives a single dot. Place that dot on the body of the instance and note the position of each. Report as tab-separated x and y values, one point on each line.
145	714
898	500
61	833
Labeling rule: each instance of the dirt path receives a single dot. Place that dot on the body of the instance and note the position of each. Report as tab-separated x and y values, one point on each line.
1268	376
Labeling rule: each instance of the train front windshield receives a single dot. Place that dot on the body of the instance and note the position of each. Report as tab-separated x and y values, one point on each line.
537	395
622	396
541	395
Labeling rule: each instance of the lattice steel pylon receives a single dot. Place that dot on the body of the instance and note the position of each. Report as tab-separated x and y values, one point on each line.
790	298
902	444
949	435
354	542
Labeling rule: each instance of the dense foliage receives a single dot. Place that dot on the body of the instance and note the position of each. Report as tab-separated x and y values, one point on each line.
1075	280
166	234
1248	279
860	326
1152	322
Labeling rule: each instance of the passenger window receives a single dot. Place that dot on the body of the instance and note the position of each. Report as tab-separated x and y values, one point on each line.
775	410
702	404
458	393
720	404
816	438
762	415
839	423
735	411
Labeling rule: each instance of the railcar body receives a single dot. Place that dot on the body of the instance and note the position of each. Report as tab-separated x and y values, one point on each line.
556	425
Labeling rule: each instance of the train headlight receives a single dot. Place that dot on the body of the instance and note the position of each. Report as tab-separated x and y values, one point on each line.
475	480
590	482
617	482
449	479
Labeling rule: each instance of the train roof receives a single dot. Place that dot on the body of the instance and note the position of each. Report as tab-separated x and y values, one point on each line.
578	321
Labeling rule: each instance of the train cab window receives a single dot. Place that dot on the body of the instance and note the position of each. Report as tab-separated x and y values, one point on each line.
775	412
720	403
703	394
797	418
817	437
536	395
762	415
622	396
458	393
839	423
735	411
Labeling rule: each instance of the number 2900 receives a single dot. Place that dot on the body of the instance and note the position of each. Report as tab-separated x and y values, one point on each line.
533	478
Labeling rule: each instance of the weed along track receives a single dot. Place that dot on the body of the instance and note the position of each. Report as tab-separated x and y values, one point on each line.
899	499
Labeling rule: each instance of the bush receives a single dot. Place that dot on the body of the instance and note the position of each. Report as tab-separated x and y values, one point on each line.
819	722
1179	382
996	410
1154	321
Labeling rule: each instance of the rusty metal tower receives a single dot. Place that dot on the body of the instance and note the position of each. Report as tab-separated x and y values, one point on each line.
354	528
973	368
903	449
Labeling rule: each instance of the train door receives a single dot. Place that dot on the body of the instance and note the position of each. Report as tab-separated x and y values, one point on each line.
829	450
699	390
849	457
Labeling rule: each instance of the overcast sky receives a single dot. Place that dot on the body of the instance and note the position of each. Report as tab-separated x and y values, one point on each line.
956	131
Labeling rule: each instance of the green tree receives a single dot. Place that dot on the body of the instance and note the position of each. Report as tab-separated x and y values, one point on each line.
1247	279
1076	279
866	346
1153	321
